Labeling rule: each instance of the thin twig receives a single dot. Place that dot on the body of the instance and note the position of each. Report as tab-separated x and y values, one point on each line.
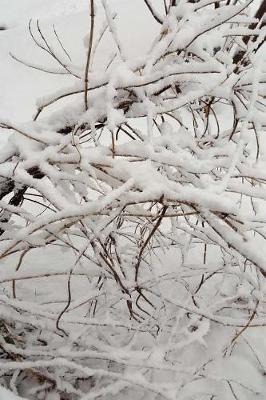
86	78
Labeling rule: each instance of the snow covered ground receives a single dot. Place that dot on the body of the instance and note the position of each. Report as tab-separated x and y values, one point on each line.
7	395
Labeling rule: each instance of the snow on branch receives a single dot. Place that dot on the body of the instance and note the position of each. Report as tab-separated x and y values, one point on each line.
151	178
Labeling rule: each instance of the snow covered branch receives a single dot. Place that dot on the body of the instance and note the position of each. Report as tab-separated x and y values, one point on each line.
150	174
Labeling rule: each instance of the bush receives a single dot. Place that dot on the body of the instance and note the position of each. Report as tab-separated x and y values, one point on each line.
152	178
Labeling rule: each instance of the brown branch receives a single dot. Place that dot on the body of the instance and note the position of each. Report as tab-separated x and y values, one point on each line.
154	229
153	12
86	80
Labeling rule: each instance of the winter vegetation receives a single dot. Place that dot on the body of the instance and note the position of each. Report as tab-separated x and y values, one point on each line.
133	203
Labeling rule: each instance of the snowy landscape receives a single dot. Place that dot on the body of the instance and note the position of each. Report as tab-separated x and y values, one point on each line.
132	200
